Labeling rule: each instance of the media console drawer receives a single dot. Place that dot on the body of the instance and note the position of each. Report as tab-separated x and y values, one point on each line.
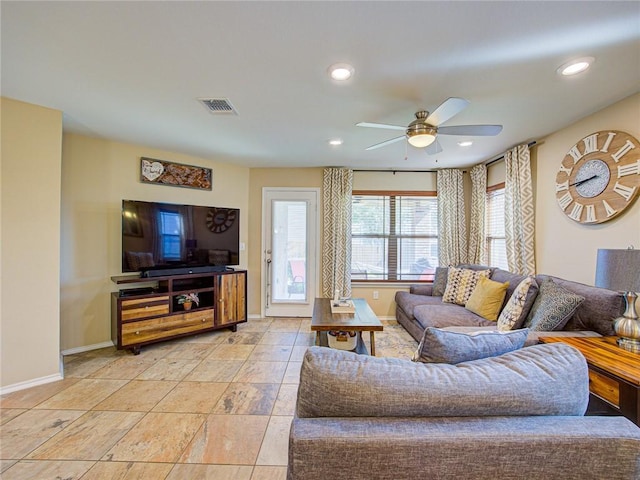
156	328
144	307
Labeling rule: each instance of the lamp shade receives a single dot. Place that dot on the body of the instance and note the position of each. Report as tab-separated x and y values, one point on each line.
618	270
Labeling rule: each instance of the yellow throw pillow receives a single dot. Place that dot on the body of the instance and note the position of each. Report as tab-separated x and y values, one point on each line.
487	298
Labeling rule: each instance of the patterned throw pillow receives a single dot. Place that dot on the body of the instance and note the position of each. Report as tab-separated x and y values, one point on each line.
440	281
553	308
461	283
487	298
517	308
442	346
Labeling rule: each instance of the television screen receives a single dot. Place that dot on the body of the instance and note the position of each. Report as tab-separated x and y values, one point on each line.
164	235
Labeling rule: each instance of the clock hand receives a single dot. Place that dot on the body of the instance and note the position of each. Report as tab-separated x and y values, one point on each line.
580	182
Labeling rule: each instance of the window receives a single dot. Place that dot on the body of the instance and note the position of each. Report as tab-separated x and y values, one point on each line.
171	233
394	237
495	241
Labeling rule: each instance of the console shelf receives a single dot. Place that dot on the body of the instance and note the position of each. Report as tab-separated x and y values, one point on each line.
149	312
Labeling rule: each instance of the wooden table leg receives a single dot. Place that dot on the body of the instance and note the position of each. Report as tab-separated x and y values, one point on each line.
317	338
373	344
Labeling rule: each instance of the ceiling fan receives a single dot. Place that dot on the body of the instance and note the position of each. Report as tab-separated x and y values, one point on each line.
423	131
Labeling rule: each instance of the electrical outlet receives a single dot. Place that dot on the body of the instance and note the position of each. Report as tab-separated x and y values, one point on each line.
375	295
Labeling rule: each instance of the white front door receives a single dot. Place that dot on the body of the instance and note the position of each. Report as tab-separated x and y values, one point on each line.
289	251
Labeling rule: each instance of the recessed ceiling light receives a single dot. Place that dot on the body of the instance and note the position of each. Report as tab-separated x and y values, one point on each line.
575	66
335	142
465	143
341	71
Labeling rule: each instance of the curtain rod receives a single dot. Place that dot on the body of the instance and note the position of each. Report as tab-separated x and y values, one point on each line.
396	171
501	157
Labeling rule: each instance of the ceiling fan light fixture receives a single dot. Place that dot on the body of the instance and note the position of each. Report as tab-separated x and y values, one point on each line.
341	71
421	135
575	67
422	140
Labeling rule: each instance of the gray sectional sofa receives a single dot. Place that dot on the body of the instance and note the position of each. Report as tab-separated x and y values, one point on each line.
514	416
419	308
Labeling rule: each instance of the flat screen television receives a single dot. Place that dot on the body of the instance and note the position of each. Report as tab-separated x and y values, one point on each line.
158	236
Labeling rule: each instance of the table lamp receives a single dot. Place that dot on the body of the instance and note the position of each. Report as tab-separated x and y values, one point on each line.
620	270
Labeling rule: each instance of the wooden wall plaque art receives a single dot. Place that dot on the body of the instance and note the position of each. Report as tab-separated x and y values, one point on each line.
175	174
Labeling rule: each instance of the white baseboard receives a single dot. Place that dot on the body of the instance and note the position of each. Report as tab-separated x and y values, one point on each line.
87	348
31	383
255	316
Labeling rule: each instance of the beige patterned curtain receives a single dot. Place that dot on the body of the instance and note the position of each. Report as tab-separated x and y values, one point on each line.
518	211
477	250
337	185
452	228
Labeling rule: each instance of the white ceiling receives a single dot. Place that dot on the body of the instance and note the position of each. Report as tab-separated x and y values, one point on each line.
132	71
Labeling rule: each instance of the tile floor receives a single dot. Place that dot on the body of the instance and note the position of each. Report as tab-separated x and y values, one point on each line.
213	406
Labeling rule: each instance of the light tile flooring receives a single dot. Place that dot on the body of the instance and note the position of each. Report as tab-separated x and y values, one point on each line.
213	406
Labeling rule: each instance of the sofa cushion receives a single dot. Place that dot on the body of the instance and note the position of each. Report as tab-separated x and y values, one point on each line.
440	281
552	308
540	380
460	284
517	308
409	301
446	314
487	298
441	346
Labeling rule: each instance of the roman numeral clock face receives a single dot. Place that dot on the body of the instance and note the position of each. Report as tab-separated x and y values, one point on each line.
599	177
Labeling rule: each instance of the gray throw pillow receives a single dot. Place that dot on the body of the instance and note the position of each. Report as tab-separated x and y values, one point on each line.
553	308
440	281
441	346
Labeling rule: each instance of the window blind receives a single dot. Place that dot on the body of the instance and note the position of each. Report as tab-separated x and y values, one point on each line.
495	240
394	237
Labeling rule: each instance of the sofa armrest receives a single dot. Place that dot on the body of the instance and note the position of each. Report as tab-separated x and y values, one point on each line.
463	447
425	289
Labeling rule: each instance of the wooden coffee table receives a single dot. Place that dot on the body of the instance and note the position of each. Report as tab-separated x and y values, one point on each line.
614	373
363	320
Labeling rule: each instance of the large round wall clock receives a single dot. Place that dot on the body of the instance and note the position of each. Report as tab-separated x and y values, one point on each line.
220	219
599	177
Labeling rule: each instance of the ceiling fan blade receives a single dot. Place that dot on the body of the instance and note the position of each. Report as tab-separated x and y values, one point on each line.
472	130
386	142
380	125
447	109
434	148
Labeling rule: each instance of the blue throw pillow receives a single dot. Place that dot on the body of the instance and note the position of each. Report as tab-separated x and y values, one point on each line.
442	346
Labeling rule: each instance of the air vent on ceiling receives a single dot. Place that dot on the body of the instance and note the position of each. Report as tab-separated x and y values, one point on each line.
218	106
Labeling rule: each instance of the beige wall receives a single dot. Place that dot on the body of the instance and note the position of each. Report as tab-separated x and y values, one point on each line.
563	247
97	175
30	244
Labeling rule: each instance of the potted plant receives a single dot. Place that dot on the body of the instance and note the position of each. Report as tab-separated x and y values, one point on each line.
188	299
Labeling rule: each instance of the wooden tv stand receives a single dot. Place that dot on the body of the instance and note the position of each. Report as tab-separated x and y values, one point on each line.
149	312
